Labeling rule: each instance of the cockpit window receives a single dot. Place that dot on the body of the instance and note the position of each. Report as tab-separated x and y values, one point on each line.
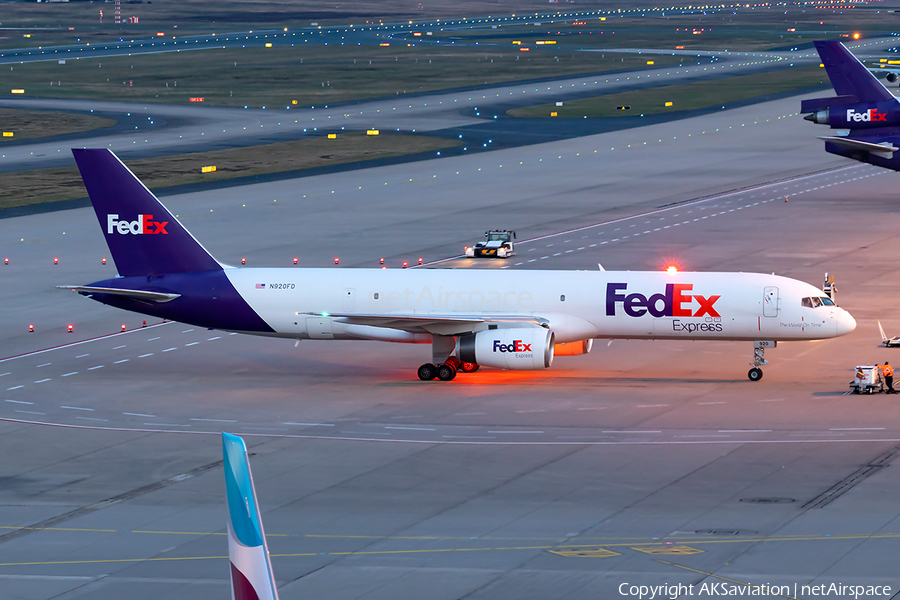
815	302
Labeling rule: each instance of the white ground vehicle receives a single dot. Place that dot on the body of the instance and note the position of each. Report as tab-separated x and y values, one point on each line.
866	380
498	243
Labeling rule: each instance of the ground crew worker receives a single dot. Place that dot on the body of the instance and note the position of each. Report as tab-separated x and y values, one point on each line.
888	377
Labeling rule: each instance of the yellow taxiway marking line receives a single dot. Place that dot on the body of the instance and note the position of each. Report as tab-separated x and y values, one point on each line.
750	585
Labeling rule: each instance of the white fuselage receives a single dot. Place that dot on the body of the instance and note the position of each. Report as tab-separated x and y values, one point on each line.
298	303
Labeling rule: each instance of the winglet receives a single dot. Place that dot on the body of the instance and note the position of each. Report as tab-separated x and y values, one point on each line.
143	236
251	568
884	338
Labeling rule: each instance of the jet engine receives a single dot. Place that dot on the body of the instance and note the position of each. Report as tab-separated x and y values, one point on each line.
519	348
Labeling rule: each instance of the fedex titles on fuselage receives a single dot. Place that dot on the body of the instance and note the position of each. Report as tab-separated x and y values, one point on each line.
144	224
673	302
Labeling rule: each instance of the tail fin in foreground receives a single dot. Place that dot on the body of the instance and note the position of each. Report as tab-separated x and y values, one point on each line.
849	77
143	236
251	568
884	338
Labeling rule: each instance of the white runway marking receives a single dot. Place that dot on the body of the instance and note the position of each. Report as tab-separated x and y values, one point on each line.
77	408
72	373
18	402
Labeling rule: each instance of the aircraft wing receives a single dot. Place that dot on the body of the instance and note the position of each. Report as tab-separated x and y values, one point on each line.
146	296
440	324
884	149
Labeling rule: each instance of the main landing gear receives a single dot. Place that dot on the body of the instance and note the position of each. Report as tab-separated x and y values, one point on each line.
759	350
445	371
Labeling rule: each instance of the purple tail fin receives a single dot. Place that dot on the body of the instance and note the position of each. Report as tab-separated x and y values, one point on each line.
143	236
849	77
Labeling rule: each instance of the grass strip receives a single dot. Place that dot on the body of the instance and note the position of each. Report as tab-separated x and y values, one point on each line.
24	188
687	96
26	124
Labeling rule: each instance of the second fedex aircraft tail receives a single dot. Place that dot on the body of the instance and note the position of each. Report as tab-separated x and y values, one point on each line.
866	114
862	101
143	236
251	568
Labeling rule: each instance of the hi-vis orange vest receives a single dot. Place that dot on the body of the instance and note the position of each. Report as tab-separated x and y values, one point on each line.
888	370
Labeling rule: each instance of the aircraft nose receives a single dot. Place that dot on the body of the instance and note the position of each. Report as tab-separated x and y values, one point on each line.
845	323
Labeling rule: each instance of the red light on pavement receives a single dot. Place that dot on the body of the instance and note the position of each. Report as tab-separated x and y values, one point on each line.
337	260
71	327
145	324
6	261
382	261
103	261
295	261
405	264
243	261
55	261
420	260
31	328
123	326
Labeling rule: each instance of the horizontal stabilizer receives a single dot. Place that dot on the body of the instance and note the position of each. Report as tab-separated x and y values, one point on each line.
883	150
135	294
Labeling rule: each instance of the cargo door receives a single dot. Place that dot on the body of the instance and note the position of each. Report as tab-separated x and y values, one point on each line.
770	301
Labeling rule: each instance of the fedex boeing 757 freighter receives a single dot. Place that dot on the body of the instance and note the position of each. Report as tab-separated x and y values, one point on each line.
507	319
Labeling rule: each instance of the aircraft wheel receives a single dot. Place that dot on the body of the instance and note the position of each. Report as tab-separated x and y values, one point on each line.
755	374
453	362
446	372
468	367
427	372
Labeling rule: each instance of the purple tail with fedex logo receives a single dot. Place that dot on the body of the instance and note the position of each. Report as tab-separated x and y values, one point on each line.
251	568
865	113
143	236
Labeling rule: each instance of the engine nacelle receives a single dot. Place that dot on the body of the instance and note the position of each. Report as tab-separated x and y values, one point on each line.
573	348
519	348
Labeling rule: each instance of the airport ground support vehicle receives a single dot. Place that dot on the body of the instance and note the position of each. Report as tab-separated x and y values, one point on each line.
498	243
865	381
509	319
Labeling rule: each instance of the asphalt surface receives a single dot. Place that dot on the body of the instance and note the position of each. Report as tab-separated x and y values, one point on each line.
642	463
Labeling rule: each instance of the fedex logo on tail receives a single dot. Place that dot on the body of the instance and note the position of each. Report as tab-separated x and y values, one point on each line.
516	346
866	116
674	302
143	224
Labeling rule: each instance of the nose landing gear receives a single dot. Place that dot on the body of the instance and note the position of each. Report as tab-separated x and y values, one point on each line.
759	350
